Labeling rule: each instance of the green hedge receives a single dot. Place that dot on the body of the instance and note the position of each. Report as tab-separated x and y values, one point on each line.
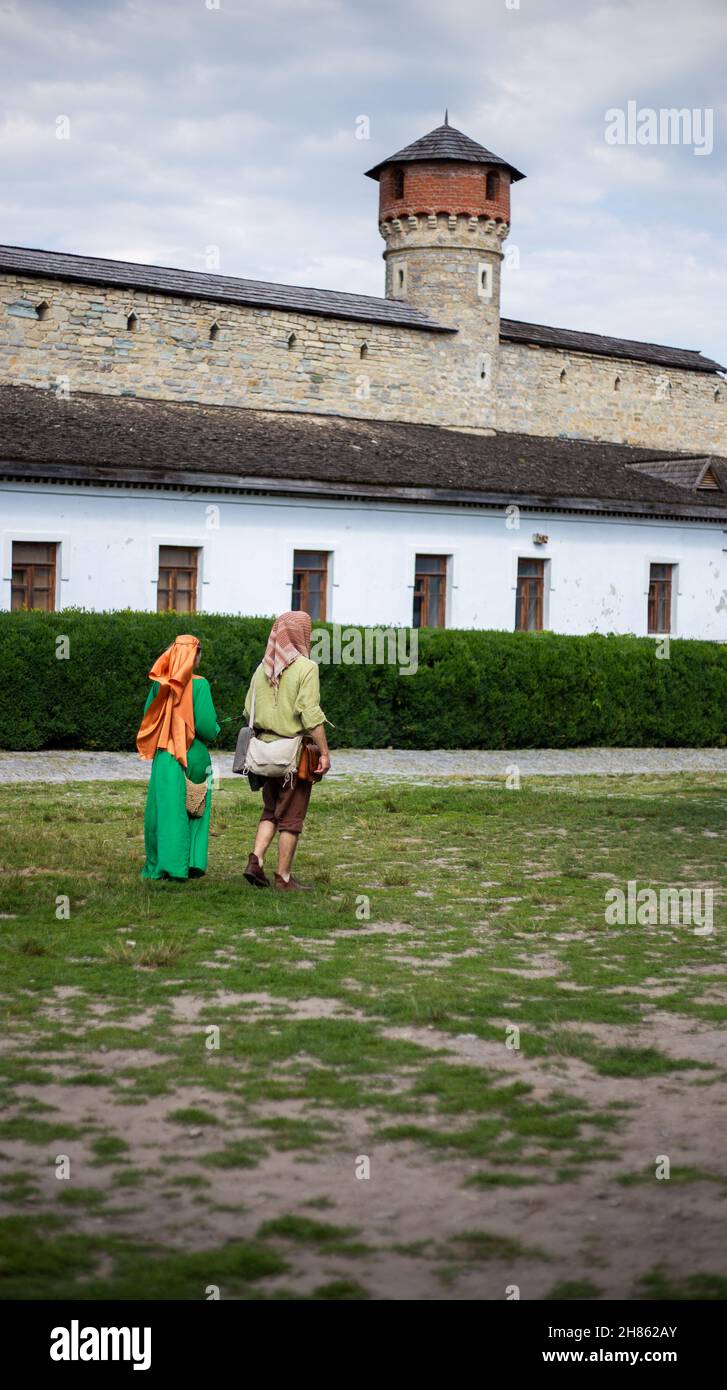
472	689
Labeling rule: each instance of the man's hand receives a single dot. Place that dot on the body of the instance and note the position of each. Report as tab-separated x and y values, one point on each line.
319	738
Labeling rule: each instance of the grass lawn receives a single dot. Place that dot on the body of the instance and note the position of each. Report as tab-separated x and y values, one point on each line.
438	1076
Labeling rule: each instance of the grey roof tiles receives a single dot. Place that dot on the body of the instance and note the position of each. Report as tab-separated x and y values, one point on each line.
444	143
194	284
600	345
106	438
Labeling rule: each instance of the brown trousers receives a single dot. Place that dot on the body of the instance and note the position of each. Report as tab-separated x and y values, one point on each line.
286	806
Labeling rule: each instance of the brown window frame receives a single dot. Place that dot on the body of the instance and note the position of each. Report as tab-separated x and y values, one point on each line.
523	585
28	583
303	596
660	598
169	574
423	595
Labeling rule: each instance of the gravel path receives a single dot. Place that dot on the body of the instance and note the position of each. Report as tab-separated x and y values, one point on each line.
389	764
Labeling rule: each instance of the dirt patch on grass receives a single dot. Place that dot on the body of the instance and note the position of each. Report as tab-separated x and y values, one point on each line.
410	1199
674	1035
415	1202
376	929
260	1005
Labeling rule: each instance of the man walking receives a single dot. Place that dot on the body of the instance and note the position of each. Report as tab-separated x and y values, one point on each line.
286	689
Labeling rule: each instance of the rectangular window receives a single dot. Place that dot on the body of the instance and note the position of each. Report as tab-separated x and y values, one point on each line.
430	591
310	583
660	597
177	587
530	595
33	582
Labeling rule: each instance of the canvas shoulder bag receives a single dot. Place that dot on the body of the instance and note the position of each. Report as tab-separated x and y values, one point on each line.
276	758
243	740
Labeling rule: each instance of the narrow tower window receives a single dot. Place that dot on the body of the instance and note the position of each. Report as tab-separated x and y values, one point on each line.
42	310
617	384
292	340
132	323
563	377
363	351
493	187
717	394
214	332
484	280
398	183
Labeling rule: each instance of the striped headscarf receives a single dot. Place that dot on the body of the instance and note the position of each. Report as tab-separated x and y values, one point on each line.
289	638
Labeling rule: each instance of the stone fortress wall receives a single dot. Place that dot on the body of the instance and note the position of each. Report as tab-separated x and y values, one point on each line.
83	342
607	398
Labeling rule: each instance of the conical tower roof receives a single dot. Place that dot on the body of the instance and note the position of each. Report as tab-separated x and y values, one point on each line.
445	143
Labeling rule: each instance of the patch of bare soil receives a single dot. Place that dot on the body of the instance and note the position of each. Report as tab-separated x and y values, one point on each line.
375	929
415	1201
187	1009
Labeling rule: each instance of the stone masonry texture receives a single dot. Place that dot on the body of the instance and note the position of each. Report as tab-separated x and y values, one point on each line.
284	360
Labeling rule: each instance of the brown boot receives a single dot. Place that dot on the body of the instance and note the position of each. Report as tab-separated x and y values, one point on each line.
255	873
291	884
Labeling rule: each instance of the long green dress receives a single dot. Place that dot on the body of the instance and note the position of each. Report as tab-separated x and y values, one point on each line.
176	844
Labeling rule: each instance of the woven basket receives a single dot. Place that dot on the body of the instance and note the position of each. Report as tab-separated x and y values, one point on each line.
196	798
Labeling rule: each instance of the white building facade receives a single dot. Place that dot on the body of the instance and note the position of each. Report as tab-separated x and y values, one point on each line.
597	573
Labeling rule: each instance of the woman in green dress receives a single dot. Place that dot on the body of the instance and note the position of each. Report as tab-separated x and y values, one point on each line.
179	721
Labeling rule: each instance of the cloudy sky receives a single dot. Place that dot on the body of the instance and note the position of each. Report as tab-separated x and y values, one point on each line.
233	124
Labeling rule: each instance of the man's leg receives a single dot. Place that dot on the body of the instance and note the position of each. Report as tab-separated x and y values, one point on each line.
265	833
292	808
287	845
255	873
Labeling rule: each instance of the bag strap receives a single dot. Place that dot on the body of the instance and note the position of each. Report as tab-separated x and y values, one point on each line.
251	721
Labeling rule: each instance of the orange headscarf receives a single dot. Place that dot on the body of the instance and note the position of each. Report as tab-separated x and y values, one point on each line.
289	638
169	720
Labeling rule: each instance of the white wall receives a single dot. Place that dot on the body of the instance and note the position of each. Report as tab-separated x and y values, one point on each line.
598	569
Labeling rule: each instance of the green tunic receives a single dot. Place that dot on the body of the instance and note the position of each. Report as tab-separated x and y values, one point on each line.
293	707
176	844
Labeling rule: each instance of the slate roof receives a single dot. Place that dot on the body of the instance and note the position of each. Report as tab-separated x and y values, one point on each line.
223	289
114	439
445	143
572	339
